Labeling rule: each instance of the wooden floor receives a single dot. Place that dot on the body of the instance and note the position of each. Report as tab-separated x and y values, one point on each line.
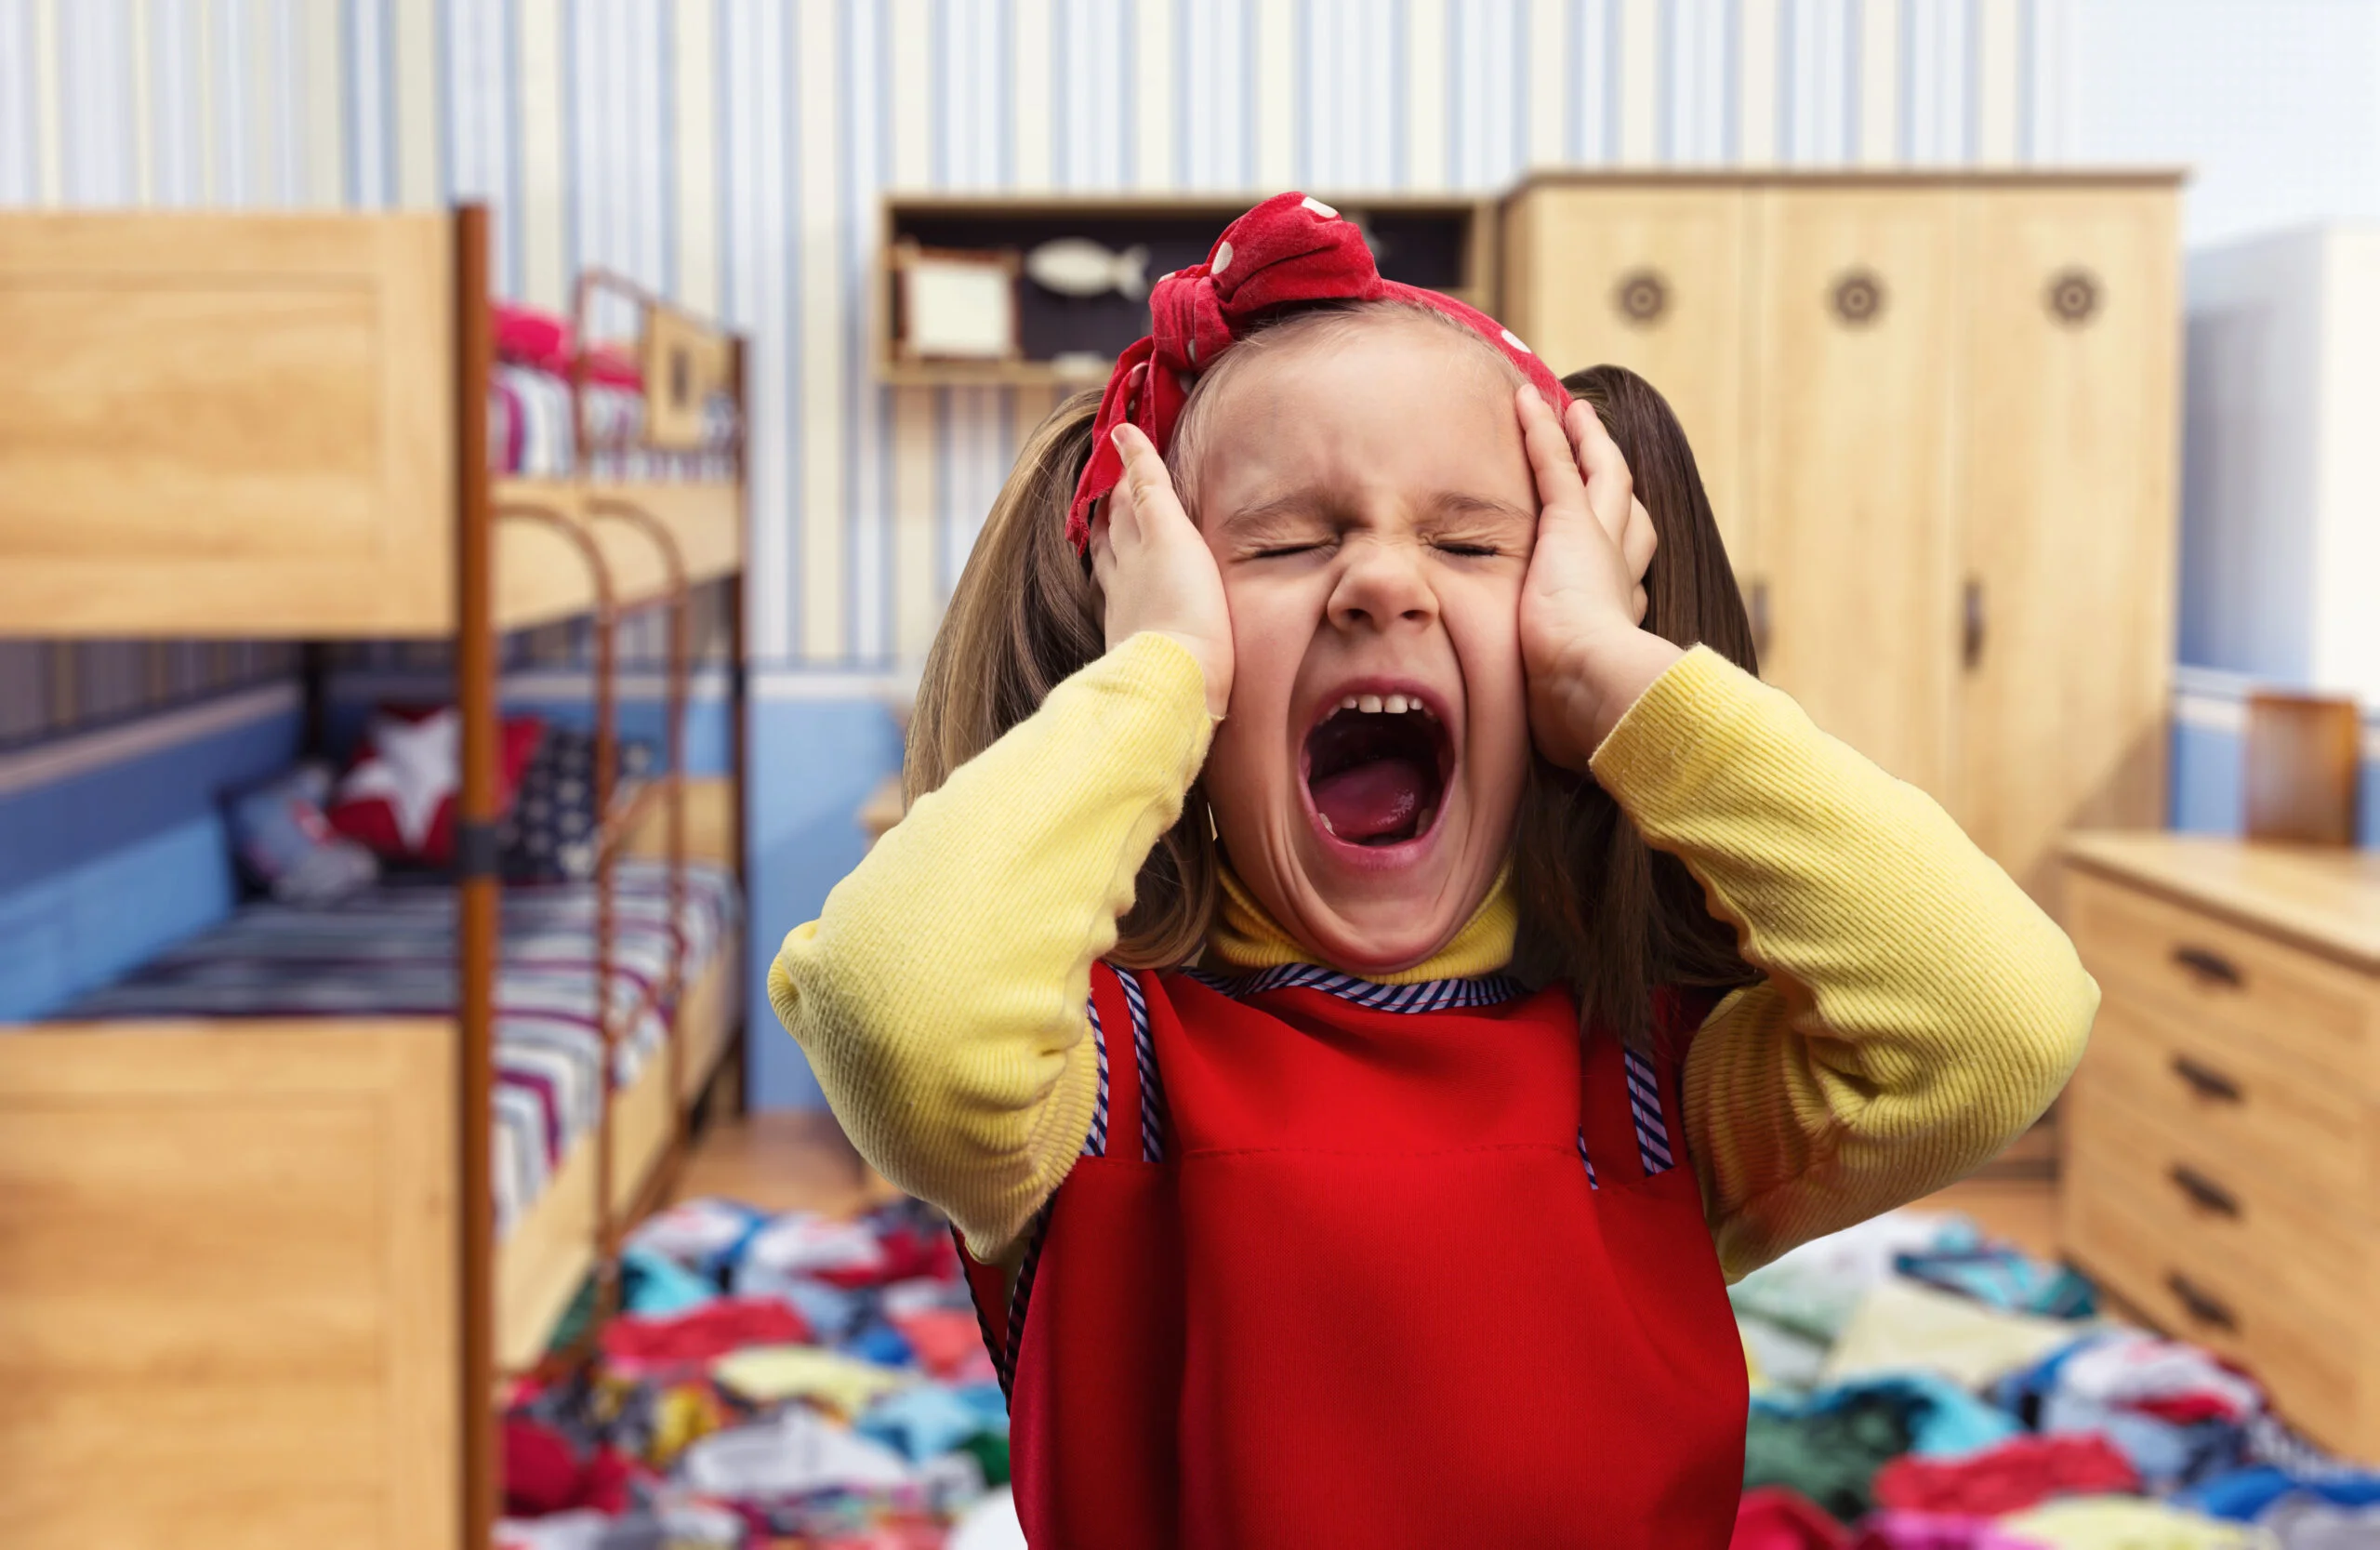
797	1162
782	1161
2015	1196
2022	1211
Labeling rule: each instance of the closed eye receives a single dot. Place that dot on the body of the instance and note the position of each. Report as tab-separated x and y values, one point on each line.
1281	551
1472	551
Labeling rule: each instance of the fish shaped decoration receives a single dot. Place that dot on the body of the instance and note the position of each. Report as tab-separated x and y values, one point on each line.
1077	266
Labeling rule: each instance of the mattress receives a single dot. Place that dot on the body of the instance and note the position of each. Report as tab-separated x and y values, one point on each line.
391	951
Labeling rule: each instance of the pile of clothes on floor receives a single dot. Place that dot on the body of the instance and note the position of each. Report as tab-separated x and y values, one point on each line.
796	1380
1916	1387
773	1380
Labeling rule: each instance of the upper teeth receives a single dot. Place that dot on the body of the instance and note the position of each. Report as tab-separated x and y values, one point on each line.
1394	705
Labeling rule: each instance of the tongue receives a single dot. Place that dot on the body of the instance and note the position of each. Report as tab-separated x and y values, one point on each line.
1379	797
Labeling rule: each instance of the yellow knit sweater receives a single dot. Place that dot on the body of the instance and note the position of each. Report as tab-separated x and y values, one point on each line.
1917	1011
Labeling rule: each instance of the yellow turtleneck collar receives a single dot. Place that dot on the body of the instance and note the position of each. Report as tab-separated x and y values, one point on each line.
1246	938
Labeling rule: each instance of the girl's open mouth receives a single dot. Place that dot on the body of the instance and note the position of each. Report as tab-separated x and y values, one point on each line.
1375	769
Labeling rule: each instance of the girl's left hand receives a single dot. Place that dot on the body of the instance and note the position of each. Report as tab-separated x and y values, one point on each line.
1583	601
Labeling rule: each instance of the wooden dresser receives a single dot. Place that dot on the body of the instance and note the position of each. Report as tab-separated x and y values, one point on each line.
2221	1170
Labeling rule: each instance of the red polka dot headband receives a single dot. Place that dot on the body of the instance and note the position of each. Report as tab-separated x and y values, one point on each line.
1288	250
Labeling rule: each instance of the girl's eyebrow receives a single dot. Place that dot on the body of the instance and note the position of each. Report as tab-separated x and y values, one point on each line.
1309	503
1461	503
1314	504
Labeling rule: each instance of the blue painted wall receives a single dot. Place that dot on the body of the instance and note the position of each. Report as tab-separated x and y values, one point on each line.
2209	779
102	871
813	763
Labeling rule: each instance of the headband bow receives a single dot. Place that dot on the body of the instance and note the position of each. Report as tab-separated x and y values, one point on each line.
1288	250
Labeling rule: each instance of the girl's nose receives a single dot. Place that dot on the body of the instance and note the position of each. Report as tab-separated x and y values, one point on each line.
1380	585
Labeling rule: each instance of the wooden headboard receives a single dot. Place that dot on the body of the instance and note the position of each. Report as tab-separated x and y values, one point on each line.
237	425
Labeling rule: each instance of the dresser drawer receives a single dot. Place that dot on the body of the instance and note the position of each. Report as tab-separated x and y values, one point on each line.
2278	1120
2215	1208
2322	1372
2298	1006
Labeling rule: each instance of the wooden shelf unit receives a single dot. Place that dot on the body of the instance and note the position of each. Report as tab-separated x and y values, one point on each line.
1445	242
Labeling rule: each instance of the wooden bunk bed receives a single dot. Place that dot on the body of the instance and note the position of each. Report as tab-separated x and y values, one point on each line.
251	1289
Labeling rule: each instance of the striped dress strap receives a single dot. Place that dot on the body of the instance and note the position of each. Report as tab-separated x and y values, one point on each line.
1631	1101
1438	995
1648	1109
1130	1102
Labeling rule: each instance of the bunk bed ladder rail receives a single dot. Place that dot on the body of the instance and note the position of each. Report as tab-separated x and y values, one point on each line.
678	597
616	831
607	1024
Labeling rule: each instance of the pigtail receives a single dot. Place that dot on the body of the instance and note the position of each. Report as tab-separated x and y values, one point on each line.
1599	907
1024	618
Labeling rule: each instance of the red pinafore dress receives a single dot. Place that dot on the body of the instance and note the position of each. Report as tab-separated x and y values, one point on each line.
1346	1263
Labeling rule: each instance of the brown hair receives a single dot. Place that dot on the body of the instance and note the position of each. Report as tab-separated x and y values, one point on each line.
1024	618
1599	908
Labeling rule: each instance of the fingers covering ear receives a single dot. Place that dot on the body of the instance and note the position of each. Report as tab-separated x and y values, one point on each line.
1641	542
1610	487
1551	458
1102	553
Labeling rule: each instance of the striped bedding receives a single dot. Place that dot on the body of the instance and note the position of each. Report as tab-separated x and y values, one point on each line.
531	431
391	951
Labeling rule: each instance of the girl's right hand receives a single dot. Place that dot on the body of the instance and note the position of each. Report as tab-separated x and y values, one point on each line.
1155	571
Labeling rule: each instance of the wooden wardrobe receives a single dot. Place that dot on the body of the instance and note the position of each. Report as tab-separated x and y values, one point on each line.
1937	416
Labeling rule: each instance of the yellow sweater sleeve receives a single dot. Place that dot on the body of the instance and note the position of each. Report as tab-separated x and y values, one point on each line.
940	996
1918	1011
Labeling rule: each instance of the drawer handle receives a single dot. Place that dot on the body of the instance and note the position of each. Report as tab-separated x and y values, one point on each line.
2204	1191
2207	1082
2210	965
2199	1304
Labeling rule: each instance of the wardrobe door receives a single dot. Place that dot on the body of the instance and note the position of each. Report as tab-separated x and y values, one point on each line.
1651	278
1853	577
2068	530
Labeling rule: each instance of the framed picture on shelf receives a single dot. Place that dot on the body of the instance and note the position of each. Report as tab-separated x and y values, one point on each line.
685	366
955	304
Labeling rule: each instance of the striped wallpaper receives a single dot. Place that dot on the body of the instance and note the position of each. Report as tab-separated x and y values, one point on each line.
50	690
730	154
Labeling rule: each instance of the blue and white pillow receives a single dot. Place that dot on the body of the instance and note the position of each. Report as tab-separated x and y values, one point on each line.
551	832
288	848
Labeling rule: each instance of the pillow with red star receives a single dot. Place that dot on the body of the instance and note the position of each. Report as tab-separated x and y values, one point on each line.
398	798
